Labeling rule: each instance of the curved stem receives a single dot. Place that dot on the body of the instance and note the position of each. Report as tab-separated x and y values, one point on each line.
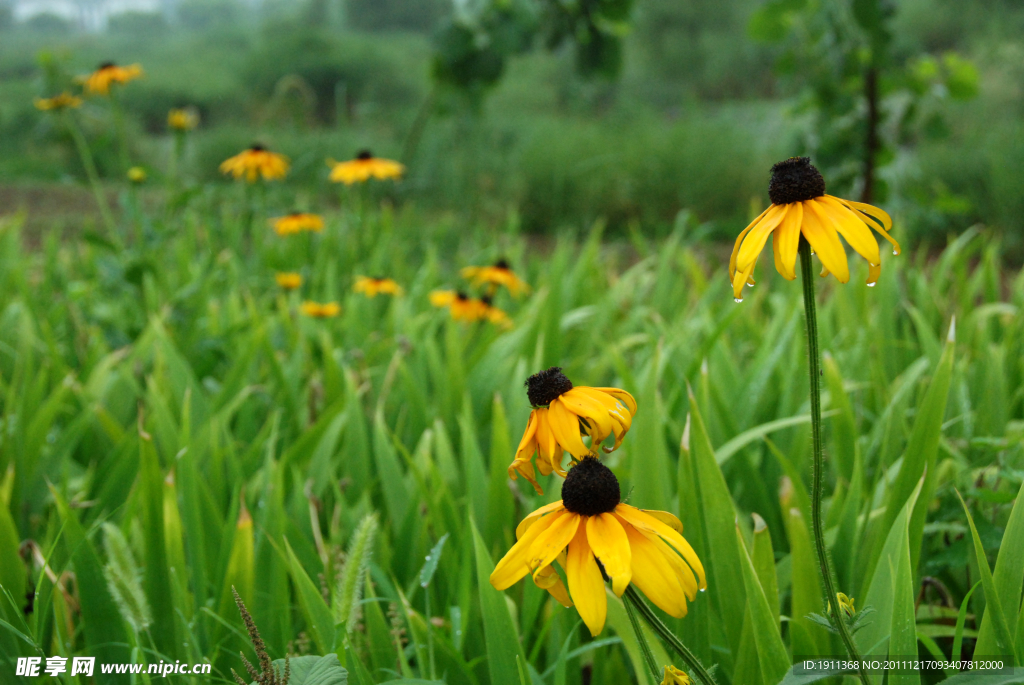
90	171
692	662
641	639
818	474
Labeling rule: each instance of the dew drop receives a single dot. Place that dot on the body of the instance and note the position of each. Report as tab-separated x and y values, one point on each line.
895	252
428	557
739	299
703	589
871	285
750	285
812	253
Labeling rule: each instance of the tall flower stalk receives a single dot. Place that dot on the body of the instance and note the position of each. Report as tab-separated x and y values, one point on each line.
89	164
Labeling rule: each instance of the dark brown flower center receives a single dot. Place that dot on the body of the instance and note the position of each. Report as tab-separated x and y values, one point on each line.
364	155
795	180
461	296
256	147
545	386
105	65
590	488
502	264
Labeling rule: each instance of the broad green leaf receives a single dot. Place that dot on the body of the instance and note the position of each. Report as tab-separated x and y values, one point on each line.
771	651
318	615
312	670
1008	578
503	646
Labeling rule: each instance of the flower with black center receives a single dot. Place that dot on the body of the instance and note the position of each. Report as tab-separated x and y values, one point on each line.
493	314
255	162
364	167
183	119
499	273
461	306
800	209
58	102
376	285
108	73
288	280
673	676
596	538
562	414
296	222
320	310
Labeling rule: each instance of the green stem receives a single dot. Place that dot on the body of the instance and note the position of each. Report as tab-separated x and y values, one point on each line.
90	171
692	662
818	474
122	135
641	639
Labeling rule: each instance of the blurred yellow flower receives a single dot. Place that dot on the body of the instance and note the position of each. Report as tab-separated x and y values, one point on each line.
99	81
461	306
562	414
296	222
288	280
596	538
137	174
495	315
320	310
255	162
673	676
500	273
372	286
63	101
364	166
183	119
801	210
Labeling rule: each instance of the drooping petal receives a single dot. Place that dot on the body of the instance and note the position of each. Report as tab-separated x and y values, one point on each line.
523	461
532	518
739	241
788	235
643	521
824	241
851	227
874	212
553	540
758	236
670	520
621	396
548	579
684	574
566	428
582	404
515	564
654	576
611	547
586	586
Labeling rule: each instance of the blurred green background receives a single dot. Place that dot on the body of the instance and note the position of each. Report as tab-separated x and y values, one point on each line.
686	111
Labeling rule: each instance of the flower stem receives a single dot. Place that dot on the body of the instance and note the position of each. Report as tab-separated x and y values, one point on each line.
818	475
90	171
641	639
693	663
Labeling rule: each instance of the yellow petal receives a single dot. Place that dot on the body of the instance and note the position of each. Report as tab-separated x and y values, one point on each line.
874	212
755	240
548	579
586	584
653	575
788	235
580	403
642	520
620	396
525	524
825	242
670	520
553	540
851	227
739	241
566	428
611	547
874	271
515	564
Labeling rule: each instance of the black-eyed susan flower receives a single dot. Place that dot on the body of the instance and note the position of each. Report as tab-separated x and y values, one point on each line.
137	175
562	414
255	162
364	167
296	222
673	676
800	209
461	306
499	273
288	280
58	102
594	537
493	314
99	81
183	119
373	286
320	310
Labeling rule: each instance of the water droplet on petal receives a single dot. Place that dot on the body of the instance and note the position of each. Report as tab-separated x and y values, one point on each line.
895	252
871	285
739	299
428	557
812	253
703	589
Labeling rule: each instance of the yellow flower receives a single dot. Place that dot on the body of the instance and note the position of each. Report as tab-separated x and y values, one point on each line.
561	415
184	119
288	280
364	166
461	306
494	314
320	310
845	605
255	162
371	287
58	102
673	676
800	209
99	81
594	536
137	174
500	273
296	222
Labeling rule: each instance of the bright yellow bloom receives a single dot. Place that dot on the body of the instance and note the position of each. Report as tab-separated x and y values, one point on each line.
184	119
255	162
320	310
494	314
99	81
800	209
594	536
63	101
137	174
500	273
561	415
288	280
296	222
371	287
845	605
364	166
461	306
673	676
